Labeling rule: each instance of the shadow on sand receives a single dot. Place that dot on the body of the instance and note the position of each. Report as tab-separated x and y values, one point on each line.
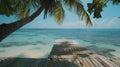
32	62
45	62
63	54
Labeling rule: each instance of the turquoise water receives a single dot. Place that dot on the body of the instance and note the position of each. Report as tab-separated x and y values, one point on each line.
37	43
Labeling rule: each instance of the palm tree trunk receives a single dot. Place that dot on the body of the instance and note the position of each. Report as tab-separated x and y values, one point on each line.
7	29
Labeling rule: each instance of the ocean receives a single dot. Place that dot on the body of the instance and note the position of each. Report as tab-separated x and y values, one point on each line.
37	43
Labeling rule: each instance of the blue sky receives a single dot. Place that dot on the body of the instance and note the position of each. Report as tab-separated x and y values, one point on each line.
109	19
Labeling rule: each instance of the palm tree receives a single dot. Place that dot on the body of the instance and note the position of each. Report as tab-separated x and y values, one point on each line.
21	8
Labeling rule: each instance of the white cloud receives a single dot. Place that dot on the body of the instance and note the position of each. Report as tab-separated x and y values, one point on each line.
106	23
112	22
76	24
99	24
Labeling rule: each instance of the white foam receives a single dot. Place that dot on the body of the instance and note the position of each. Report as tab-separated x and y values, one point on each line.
27	51
59	41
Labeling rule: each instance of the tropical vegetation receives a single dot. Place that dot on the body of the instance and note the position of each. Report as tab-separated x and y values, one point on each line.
28	10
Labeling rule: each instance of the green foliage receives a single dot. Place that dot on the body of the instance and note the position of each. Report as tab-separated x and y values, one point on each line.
54	8
115	2
58	12
78	7
22	8
6	7
96	7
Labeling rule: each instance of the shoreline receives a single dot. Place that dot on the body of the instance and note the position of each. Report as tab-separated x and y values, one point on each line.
63	51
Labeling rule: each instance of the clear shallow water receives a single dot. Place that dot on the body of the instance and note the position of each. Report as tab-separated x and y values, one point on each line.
37	43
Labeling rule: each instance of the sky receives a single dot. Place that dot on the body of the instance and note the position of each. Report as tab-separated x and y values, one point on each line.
110	19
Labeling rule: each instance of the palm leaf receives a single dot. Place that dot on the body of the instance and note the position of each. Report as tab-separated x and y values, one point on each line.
5	7
24	7
58	12
117	2
78	7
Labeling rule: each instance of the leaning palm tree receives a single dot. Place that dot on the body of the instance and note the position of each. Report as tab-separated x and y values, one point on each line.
22	9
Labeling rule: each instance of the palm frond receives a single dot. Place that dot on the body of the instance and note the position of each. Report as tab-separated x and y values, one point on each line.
69	3
49	6
23	7
5	7
24	11
83	13
78	7
58	12
117	2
